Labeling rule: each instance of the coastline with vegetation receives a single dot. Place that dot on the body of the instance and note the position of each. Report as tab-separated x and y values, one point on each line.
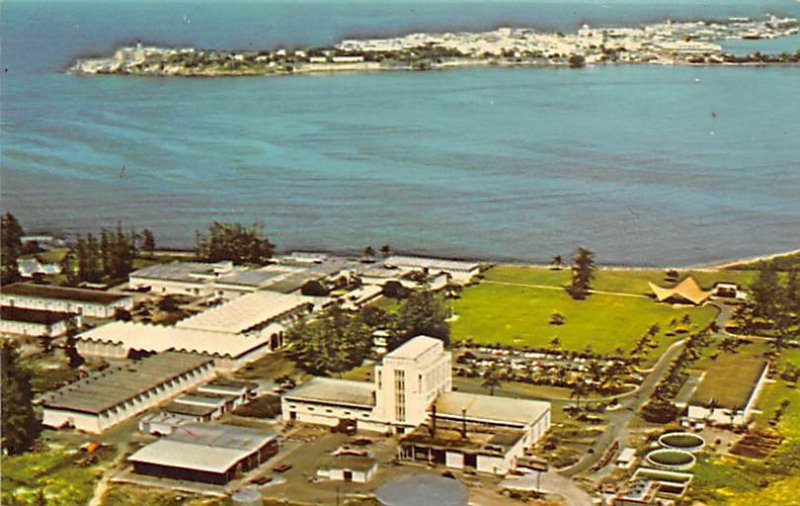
667	43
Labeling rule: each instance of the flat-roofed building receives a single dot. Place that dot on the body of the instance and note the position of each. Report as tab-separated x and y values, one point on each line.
106	398
35	322
326	401
348	468
180	278
123	339
246	281
207	453
93	303
461	271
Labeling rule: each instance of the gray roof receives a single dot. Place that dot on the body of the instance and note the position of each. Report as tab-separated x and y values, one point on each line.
62	293
335	391
105	389
419	489
491	408
178	408
175	271
249	278
204	447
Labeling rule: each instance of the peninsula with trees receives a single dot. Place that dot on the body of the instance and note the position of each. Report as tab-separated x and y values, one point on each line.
665	43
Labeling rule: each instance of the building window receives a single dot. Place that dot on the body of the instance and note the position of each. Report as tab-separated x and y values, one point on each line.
400	395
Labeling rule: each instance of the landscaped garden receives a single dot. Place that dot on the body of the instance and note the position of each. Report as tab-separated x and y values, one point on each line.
772	480
506	309
731	376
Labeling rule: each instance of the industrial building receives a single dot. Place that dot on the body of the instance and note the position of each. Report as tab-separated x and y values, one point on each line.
119	340
92	303
413	387
208	453
180	278
35	322
106	398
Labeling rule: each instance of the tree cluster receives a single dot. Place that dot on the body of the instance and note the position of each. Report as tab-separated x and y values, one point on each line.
94	259
773	306
20	427
338	340
11	244
583	268
234	242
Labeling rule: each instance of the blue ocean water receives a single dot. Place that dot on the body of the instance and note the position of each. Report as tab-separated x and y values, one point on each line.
486	162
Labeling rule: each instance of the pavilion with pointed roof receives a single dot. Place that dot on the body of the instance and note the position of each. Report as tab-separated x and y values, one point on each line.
687	291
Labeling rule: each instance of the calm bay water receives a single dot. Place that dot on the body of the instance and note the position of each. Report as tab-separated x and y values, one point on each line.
488	163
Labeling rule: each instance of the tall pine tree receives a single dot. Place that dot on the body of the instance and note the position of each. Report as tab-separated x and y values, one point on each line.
11	247
19	424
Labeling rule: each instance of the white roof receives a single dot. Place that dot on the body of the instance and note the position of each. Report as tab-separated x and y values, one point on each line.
215	448
415	347
242	313
626	455
158	338
333	390
430	263
491	408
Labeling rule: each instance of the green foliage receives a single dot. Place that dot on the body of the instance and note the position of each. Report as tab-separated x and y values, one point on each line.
395	290
314	288
334	342
234	242
423	313
10	248
93	260
19	424
490	380
583	268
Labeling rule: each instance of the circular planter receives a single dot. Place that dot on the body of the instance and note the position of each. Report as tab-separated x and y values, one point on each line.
682	441
674	460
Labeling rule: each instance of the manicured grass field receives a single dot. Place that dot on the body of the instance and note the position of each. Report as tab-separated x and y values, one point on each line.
731	377
740	481
520	315
632	281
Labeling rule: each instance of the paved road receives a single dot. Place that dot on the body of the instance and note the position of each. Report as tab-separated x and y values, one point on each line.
619	419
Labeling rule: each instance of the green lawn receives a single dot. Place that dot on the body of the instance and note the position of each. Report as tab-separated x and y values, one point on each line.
123	495
613	280
269	367
518	315
56	472
743	482
731	377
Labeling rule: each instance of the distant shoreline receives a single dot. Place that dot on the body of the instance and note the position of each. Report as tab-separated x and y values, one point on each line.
712	266
679	44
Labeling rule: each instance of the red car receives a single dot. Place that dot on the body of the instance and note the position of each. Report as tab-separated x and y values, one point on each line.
282	468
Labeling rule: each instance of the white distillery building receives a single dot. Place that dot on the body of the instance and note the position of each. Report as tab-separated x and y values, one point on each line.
35	322
106	398
121	340
93	303
413	386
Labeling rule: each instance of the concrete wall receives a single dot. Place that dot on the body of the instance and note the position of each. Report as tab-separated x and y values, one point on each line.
323	414
35	329
64	306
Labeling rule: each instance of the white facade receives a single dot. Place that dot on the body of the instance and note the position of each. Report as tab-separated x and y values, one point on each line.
409	379
22	328
67	305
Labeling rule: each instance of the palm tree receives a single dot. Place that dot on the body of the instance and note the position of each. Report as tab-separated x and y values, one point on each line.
555	342
556	262
579	390
369	252
595	370
490	381
386	250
